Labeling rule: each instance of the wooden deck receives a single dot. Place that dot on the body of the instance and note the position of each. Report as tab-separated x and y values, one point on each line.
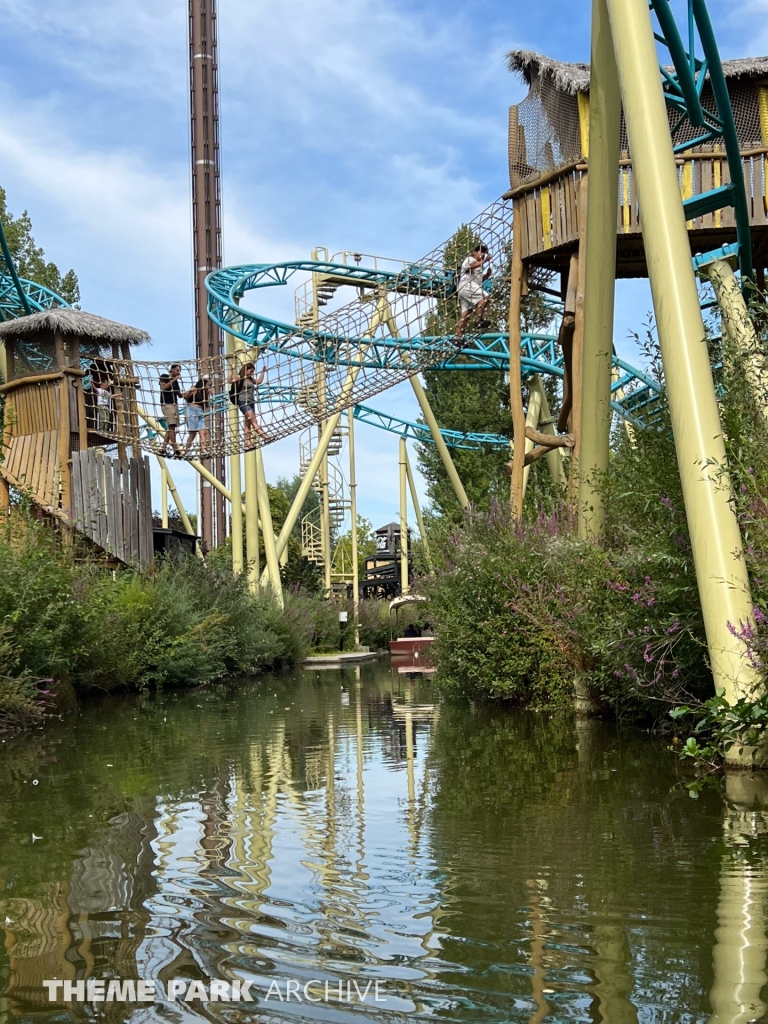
550	211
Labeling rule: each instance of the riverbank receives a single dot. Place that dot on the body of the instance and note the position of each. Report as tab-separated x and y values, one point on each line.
70	628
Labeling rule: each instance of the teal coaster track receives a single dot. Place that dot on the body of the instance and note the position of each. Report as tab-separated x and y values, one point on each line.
381	356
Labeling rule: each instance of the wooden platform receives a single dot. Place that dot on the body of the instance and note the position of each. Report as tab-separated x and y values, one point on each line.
550	219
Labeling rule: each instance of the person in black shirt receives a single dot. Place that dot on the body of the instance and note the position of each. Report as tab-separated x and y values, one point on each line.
170	393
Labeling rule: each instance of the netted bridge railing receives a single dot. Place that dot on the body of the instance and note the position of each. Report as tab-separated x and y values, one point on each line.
401	321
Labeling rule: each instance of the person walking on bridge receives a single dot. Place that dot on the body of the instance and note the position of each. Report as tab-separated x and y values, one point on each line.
198	400
170	393
473	297
243	391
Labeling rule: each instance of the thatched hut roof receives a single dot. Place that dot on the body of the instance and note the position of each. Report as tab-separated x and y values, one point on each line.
61	320
574	78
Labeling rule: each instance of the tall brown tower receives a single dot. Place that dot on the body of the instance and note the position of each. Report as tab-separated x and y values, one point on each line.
206	225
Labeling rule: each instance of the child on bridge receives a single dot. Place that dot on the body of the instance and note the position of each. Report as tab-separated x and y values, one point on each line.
473	298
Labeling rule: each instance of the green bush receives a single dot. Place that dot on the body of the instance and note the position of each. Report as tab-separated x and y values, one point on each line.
22	702
183	623
521	607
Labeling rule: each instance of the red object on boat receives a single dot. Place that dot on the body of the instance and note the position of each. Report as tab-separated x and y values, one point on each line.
410	645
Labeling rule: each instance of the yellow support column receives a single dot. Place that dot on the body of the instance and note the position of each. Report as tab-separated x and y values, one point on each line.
164	495
353	515
599	272
235	478
717	550
270	552
404	587
739	329
176	498
251	521
417	510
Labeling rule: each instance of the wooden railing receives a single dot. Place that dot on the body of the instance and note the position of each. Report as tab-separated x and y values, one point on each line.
550	208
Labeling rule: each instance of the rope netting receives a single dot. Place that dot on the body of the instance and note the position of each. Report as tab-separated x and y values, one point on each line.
285	377
545	131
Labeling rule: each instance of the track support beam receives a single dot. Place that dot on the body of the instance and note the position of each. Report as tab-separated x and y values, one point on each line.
599	273
717	549
442	447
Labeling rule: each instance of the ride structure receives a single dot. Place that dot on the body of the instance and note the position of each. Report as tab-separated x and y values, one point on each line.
692	181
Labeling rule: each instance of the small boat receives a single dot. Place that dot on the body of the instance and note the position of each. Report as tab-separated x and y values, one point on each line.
415	648
410	645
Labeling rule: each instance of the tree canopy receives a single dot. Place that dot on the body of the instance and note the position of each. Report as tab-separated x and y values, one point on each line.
30	258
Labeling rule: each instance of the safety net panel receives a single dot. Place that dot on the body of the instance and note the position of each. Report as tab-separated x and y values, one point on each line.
544	132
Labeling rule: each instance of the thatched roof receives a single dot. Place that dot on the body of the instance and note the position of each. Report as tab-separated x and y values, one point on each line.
61	320
573	78
570	78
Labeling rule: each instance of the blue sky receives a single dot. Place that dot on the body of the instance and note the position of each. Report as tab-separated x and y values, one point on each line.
366	125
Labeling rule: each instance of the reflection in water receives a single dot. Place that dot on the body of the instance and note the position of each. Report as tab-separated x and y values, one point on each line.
740	938
486	866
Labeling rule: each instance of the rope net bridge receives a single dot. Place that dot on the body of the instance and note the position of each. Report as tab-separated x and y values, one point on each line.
401	321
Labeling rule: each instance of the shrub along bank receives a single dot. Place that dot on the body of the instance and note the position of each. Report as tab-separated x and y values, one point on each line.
521	607
69	626
70	623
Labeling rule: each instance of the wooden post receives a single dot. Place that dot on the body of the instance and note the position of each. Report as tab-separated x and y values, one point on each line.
61	356
63	453
565	340
82	423
129	398
515	374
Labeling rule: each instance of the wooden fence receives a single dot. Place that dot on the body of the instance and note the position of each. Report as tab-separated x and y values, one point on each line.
112	504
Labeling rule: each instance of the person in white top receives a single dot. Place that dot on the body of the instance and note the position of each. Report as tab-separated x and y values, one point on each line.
103	405
473	298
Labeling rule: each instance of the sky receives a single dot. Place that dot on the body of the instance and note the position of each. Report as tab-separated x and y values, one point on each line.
374	125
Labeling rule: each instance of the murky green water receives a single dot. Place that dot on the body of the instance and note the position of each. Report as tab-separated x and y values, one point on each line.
344	828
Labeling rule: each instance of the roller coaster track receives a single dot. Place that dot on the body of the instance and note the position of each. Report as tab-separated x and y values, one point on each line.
19	297
387	355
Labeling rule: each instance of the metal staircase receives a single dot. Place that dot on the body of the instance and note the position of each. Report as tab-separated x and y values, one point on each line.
339	507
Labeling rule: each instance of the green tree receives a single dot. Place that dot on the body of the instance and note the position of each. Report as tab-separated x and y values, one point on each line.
366	545
30	258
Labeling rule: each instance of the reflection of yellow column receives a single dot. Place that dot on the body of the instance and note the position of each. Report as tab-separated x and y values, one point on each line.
536	886
404	586
614	982
409	756
360	781
739	955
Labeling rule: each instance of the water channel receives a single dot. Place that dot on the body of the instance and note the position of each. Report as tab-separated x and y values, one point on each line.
346	828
